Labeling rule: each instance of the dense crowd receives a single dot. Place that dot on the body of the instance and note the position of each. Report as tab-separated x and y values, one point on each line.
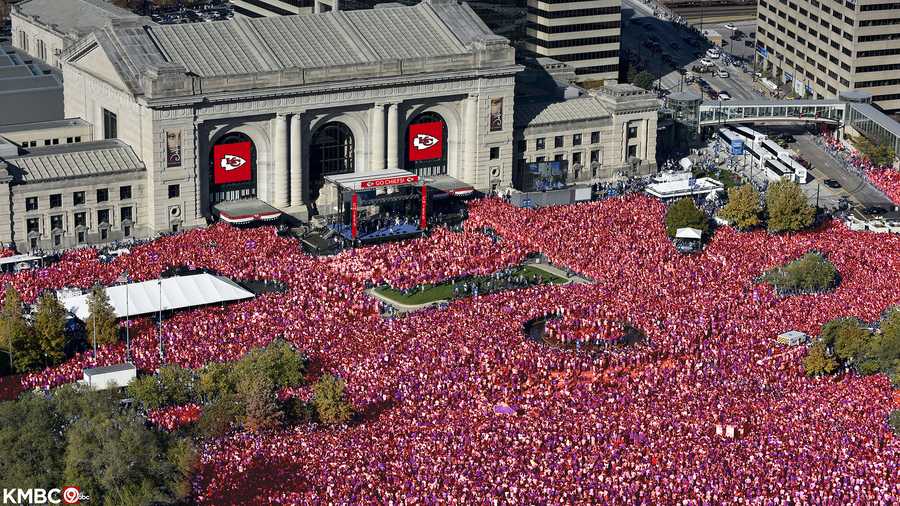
888	181
633	425
172	417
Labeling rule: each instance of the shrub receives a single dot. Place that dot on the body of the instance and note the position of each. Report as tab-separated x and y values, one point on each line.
811	273
894	421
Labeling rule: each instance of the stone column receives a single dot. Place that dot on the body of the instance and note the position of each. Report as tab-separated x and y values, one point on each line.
296	160
471	126
378	137
624	143
317	7
393	146
281	183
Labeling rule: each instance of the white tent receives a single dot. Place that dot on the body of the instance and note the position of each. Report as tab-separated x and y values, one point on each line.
689	233
686	163
178	292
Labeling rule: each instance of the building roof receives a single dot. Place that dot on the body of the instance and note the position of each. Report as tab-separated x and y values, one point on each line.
107	369
879	118
81	159
566	111
43	125
75	18
432	29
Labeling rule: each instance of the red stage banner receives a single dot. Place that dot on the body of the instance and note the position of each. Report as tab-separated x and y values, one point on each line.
424	207
232	163
354	202
372	183
426	141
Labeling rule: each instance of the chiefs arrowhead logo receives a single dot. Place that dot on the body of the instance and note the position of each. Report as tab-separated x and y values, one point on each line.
231	162
424	141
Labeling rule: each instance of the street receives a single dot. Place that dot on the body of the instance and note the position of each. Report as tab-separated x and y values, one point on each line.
674	41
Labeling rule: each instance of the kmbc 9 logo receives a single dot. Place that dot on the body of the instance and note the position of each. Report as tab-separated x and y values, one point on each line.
66	495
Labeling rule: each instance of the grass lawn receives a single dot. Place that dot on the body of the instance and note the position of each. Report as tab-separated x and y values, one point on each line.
444	291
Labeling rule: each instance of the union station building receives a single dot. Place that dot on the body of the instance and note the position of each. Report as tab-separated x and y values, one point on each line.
176	126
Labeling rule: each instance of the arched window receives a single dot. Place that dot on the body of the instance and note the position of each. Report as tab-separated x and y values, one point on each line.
332	149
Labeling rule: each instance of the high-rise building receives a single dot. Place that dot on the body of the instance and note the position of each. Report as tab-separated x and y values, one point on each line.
583	33
267	8
823	47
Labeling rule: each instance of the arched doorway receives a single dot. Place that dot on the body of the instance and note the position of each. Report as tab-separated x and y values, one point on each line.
332	151
232	168
426	145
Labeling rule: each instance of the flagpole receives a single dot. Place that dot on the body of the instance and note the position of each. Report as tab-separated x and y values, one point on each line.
127	323
159	324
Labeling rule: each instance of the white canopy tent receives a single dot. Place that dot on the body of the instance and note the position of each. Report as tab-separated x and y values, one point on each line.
169	293
689	233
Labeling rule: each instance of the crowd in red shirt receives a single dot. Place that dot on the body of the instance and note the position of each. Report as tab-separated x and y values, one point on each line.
624	425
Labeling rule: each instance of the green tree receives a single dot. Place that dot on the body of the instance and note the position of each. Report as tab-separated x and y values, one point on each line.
102	321
177	384
894	421
218	417
31	435
684	213
261	410
116	459
15	335
787	207
330	400
848	339
214	381
147	391
743	208
278	361
643	79
49	328
819	362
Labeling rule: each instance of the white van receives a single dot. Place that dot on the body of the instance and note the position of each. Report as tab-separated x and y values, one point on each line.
713	53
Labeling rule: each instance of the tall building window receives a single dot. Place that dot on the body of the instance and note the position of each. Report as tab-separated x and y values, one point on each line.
31	203
80	219
103	216
55	200
33	225
110	125
124	192
78	198
56	222
102	195
174	191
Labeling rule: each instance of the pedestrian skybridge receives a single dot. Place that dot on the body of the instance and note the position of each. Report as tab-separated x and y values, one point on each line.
712	113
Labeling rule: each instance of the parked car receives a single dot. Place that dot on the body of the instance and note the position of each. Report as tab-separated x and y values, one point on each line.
832	183
713	53
722	73
724	95
730	26
706	62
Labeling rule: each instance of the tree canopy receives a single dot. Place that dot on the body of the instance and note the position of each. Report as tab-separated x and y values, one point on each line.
102	321
643	79
330	400
743	209
50	328
787	207
76	435
684	213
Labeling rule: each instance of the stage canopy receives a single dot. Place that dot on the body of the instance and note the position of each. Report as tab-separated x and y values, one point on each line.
178	292
361	181
689	233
